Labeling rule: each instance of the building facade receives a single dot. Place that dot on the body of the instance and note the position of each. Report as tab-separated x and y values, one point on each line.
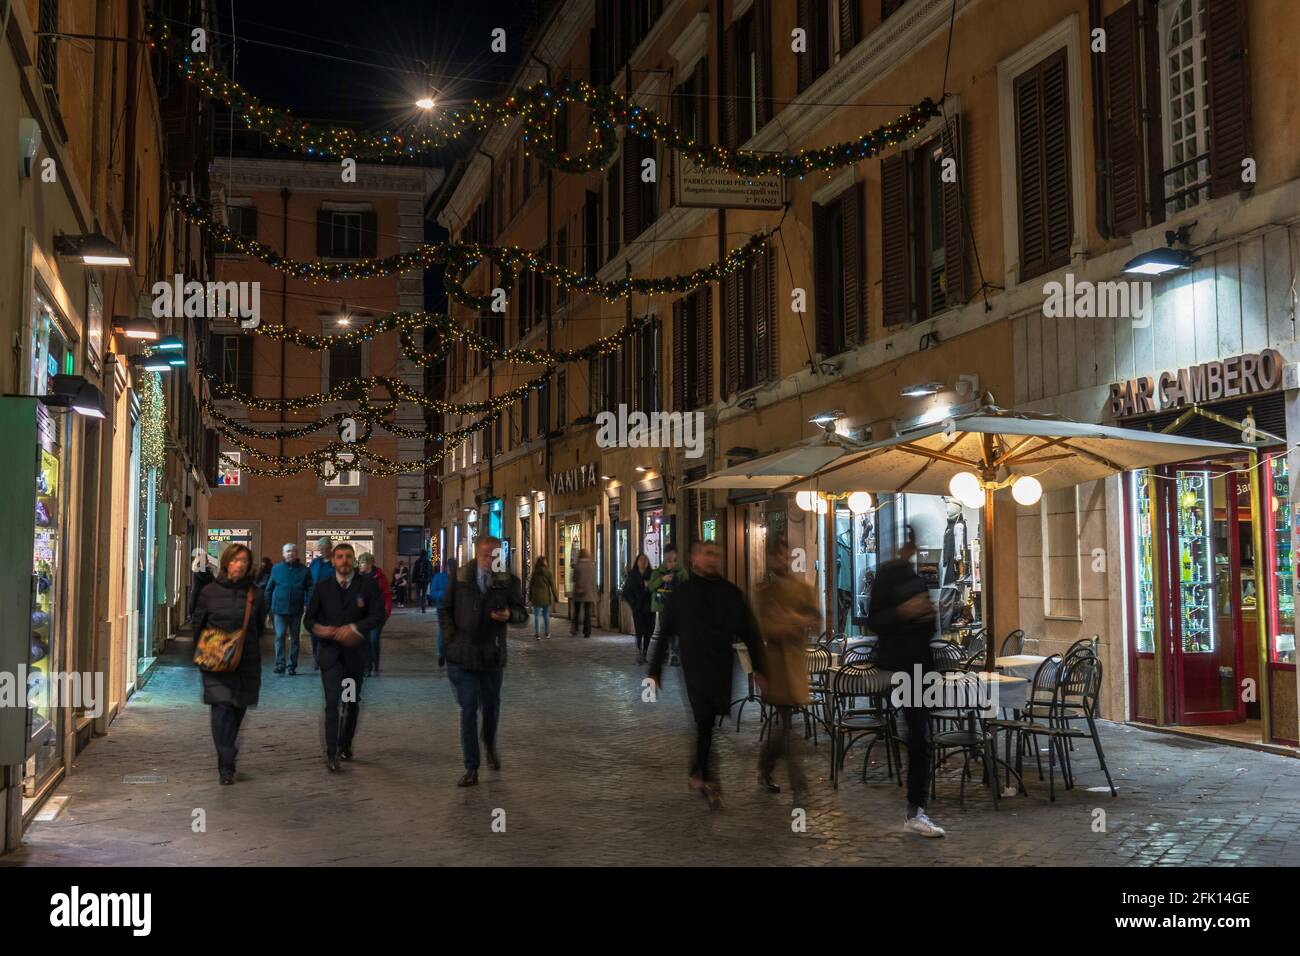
306	211
903	289
102	139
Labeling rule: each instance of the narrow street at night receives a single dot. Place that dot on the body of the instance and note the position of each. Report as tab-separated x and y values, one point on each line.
591	775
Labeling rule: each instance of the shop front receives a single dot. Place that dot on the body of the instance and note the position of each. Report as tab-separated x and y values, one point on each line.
1209	550
364	536
573	501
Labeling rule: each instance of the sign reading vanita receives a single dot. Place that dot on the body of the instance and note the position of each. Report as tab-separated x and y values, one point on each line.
1207	382
575	479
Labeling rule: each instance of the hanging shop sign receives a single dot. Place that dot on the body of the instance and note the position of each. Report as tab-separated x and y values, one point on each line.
575	479
719	189
1208	382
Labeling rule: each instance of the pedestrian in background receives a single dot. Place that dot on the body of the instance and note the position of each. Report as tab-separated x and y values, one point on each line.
584	593
480	604
401	583
709	614
421	575
202	578
636	592
286	596
786	608
261	580
541	595
232	602
344	608
437	595
321	568
666	577
376	573
904	617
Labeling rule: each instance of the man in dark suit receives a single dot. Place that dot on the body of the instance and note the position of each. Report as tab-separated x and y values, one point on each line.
344	608
482	599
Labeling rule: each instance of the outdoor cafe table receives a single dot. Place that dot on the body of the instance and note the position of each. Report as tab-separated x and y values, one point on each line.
1011	691
1019	665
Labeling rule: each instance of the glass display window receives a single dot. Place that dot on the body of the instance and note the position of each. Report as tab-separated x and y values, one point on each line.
1143	580
1280	564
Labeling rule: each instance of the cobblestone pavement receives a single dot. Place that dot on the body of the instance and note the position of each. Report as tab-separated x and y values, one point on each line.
593	775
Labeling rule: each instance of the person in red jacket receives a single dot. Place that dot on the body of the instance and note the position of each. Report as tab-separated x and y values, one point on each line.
371	570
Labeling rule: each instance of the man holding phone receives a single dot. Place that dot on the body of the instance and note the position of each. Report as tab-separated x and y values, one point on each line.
344	608
482	600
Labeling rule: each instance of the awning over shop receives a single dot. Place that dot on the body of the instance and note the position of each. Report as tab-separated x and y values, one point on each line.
782	467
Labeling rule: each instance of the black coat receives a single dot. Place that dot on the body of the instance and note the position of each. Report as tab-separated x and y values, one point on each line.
903	644
637	595
473	640
707	615
361	604
221	604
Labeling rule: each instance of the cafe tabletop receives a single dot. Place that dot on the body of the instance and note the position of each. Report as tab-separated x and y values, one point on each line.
1019	665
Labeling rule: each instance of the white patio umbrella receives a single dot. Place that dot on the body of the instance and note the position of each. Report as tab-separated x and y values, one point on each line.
993	448
782	467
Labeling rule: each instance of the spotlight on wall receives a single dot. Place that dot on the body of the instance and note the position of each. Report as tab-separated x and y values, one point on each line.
93	249
132	327
922	389
827	419
74	392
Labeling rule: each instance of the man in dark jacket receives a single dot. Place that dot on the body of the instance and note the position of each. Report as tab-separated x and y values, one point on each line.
903	615
345	607
421	575
707	614
480	602
321	567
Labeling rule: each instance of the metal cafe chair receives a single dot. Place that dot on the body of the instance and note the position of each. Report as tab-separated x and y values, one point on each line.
819	670
1079	678
1012	644
974	742
1038	708
851	722
974	650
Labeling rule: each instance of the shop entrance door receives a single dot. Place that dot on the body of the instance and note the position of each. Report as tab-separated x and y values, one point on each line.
1209	538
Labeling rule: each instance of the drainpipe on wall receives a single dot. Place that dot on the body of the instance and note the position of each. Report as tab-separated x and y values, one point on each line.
489	446
550	213
284	298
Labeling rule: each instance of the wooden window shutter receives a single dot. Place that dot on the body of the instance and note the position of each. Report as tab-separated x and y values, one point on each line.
763	44
894	241
804	63
889	6
732	308
701	87
1057	194
765	318
954	220
728	120
369	234
703	357
823	279
848	25
853	266
323	223
679	355
1043	166
244	381
1123	177
1227	67
631	189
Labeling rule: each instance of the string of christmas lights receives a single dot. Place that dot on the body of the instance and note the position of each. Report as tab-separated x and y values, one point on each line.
538	106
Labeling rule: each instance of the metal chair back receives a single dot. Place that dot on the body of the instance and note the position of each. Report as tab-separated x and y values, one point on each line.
1013	643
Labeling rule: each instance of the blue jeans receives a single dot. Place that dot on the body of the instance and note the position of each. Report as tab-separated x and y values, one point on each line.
374	648
287	629
475	690
542	620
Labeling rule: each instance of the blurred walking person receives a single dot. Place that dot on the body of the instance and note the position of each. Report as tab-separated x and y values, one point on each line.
366	563
786	608
286	596
232	603
401	584
708	614
636	592
583	597
437	595
421	575
541	595
904	617
666	577
479	606
321	567
344	608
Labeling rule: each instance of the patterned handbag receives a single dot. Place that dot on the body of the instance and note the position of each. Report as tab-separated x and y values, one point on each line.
219	652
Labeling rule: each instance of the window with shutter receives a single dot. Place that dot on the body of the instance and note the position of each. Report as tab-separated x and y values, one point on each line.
703	355
849	28
561	399
813	16
887	7
895	250
613	215
733	307
344	363
852	259
839	271
824	291
591	233
680	339
631	189
765	319
562	257
1043	166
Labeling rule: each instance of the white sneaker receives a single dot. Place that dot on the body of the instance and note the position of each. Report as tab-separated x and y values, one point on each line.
923	825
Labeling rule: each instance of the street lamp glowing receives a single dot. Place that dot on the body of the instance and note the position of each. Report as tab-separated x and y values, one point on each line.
425	102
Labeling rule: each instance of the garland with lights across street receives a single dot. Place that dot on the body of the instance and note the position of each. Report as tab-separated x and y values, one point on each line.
371	415
538	107
461	258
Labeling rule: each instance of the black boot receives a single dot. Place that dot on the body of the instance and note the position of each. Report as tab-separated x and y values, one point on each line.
469	780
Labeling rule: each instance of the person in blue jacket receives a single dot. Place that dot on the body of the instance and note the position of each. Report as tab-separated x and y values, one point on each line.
286	596
437	594
320	568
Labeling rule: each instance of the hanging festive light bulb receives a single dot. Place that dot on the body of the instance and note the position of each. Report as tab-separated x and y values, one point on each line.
966	488
804	499
1027	490
859	502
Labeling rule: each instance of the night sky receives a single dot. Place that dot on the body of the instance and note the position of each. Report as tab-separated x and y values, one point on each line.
364	62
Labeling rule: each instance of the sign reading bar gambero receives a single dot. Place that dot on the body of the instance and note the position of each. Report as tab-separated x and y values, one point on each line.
1208	382
717	189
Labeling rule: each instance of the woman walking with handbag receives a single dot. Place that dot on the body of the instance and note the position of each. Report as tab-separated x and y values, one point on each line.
636	592
541	595
228	622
